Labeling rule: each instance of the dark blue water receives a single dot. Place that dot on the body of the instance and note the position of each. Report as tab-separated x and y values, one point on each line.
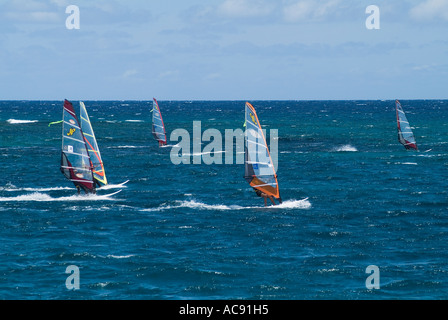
198	231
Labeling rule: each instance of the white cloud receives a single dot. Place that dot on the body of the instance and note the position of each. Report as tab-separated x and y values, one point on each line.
430	10
245	8
25	5
61	3
129	73
308	10
169	74
25	11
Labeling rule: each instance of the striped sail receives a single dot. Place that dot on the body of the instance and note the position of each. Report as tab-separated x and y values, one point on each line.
92	146
158	128
75	160
405	135
259	168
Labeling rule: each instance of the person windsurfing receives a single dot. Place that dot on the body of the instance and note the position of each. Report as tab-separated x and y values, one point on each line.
265	196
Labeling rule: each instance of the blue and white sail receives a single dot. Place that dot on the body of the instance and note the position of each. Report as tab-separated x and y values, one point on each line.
259	169
405	134
158	127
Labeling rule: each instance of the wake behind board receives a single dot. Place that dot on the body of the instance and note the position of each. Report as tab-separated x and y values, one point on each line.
97	195
102	196
111	194
114	186
123	183
290	204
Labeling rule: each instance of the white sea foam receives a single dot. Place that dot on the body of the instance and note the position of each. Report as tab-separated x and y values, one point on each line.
408	163
345	148
120	257
193	204
13	188
14	121
134	120
42	197
295	204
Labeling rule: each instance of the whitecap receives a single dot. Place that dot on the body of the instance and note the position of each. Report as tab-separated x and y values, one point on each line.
345	148
42	197
14	188
119	257
408	163
14	121
295	204
193	204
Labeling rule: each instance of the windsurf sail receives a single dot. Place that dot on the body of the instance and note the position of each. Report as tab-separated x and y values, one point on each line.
92	146
75	160
259	169
405	135
158	128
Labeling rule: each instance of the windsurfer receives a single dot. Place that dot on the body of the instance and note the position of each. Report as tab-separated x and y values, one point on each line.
96	183
264	196
87	191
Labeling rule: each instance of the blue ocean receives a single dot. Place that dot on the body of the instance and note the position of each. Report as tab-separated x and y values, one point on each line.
354	200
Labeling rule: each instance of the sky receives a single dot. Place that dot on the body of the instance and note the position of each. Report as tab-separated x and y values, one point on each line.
223	50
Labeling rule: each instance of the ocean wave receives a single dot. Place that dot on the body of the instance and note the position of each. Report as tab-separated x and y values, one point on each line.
193	204
13	188
14	121
42	197
119	257
345	148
